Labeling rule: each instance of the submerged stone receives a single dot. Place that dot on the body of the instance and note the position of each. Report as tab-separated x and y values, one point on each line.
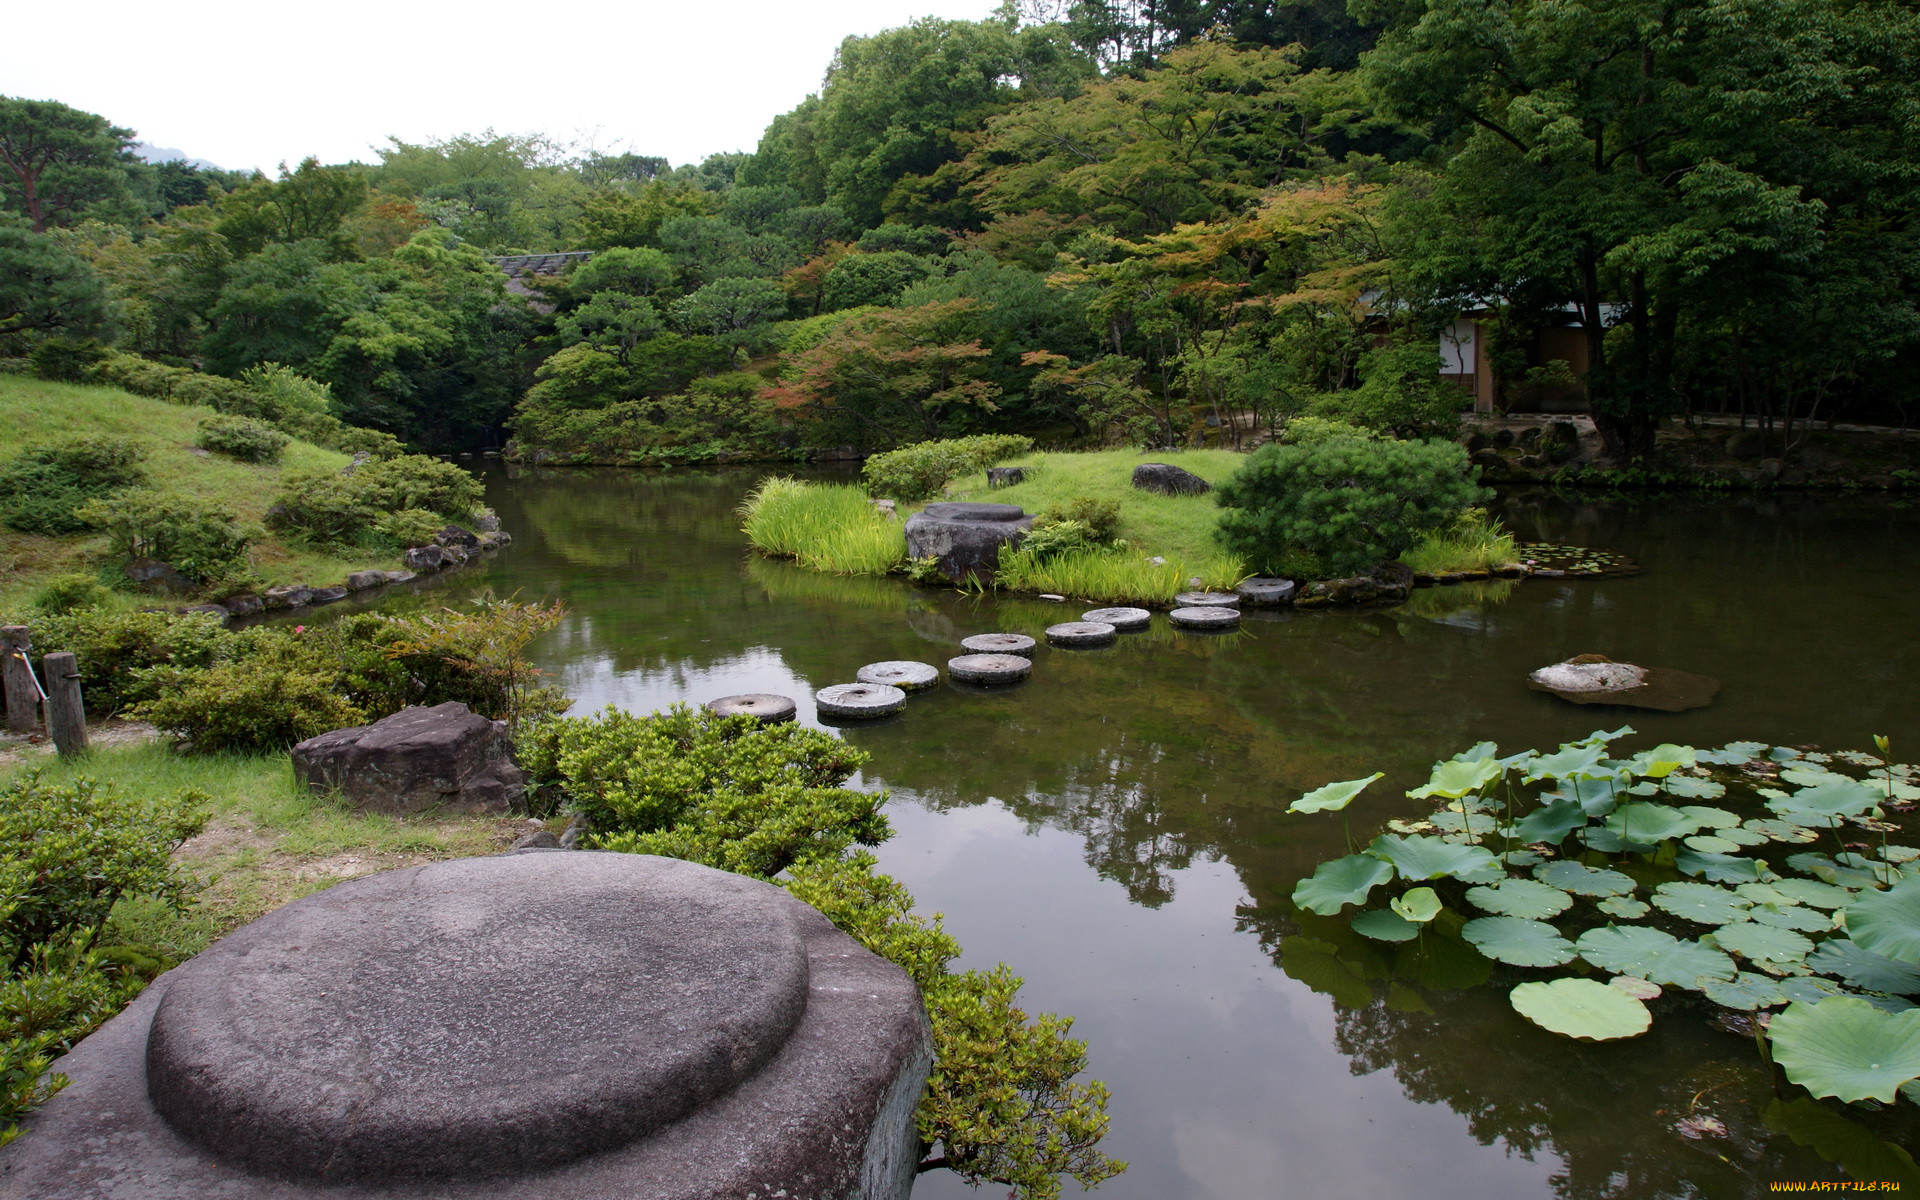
1213	616
989	668
1596	679
904	674
1082	633
1126	620
771	709
999	643
859	700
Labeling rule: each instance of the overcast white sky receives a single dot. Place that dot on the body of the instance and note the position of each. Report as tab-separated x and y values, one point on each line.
251	84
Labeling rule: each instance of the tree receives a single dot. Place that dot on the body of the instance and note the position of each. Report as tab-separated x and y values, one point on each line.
641	271
612	323
45	288
56	162
311	203
890	373
609	217
872	278
733	310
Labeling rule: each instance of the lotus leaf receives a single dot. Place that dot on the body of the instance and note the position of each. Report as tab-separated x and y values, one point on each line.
1646	824
1812	893
1661	761
1599	738
1721	868
1520	898
1419	858
1582	1008
1341	882
1633	985
1888	923
1746	990
1827	871
1733	754
1864	968
1690	788
1763	943
1454	778
1551	822
1809	989
1474	824
1707	843
1626	908
1654	955
1582	880
1385	925
1319	965
1783	754
1846	1048
1808	772
1419	905
1522	858
1712	818
1701	902
1779	830
1762	893
1838	796
1478	752
1880	872
1740	836
1568	763
1857	1152
1900	854
1333	796
1791	916
1606	841
1595	796
1648	788
1518	942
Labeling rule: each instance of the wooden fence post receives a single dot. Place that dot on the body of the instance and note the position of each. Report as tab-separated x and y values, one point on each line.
23	698
66	713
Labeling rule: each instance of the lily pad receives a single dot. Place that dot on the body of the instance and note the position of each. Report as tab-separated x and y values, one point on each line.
1791	916
1581	1008
1780	831
1711	844
1582	880
1733	754
1763	943
1520	898
1454	778
1721	868
1846	1048
1651	954
1518	942
1864	968
1740	836
1419	905
1661	761
1835	796
1333	796
1596	797
1420	858
1638	988
1341	882
1646	824
1888	923
1384	925
1624	907
1551	822
1688	787
1567	763
1476	824
1809	989
1747	990
1700	902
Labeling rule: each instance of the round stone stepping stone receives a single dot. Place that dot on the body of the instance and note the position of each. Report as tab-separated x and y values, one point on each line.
1207	600
771	709
904	674
1126	620
990	668
999	643
1266	592
1082	633
1210	617
859	700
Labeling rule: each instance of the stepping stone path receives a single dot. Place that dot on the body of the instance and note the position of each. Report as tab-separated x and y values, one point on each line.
1207	600
1082	633
999	643
1126	620
990	668
904	674
859	700
1266	593
771	709
1217	616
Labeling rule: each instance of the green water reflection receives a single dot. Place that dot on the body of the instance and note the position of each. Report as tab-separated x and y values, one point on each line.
1114	828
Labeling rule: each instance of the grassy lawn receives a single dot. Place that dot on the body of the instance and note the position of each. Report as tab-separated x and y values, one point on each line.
268	841
36	411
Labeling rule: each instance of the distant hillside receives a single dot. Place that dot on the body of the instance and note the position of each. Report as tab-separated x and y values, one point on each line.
148	152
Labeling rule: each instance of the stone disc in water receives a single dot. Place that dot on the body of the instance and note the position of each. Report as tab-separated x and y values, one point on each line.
1207	617
1207	600
771	709
1126	620
1082	633
905	674
859	700
989	668
998	643
1266	592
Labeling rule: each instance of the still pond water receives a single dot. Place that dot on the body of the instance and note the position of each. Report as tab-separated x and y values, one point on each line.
1114	829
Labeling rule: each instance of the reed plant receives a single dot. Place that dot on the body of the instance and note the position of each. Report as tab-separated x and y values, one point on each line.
1474	542
1113	576
830	527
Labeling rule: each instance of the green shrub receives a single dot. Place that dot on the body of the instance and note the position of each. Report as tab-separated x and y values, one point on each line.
1059	537
921	471
202	539
1101	516
1353	502
1474	542
476	655
1400	392
59	996
69	593
243	438
409	526
341	507
327	508
42	490
259	703
1310	431
67	359
419	481
825	526
113	648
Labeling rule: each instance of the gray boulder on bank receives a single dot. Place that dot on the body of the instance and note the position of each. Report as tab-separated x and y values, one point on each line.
1168	480
159	578
416	759
523	1027
965	539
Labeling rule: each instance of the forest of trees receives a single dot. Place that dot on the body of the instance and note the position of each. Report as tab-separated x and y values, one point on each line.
1164	221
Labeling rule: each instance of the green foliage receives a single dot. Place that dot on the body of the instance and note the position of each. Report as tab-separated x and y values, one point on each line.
1057	538
335	508
1474	542
70	593
1352	502
202	539
63	164
877	278
1099	514
923	470
826	527
1848	1048
47	289
409	527
263	701
243	438
1111	576
113	649
1400	393
1582	1008
43	488
67	360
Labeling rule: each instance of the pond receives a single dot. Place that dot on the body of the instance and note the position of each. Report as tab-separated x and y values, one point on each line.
1114	829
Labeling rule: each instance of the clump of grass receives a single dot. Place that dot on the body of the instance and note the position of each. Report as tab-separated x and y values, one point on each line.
1112	576
830	527
1474	542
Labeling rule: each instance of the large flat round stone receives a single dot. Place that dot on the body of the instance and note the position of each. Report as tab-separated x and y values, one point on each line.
961	510
476	1017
